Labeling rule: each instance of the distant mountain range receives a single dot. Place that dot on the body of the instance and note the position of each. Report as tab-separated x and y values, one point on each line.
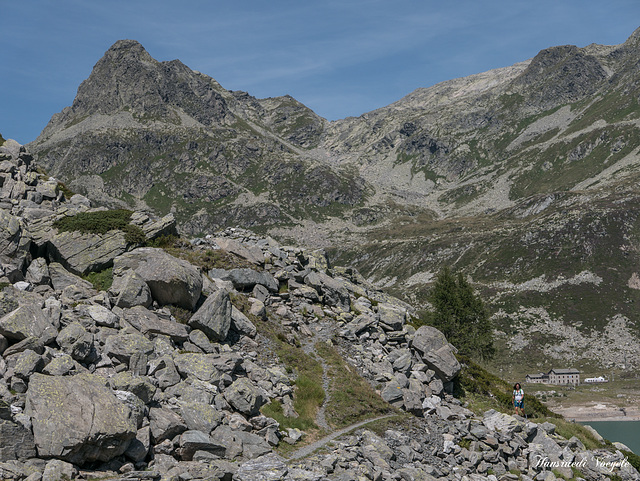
525	178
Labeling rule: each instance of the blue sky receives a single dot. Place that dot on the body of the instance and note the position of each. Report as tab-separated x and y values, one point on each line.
341	58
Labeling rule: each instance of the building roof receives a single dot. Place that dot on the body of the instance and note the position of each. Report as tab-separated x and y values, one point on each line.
564	371
539	374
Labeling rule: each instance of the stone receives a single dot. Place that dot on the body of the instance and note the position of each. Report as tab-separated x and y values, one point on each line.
127	343
61	278
138	385
38	272
16	442
200	366
150	324
27	321
164	226
130	290
103	316
14	246
244	279
171	280
60	366
75	341
57	470
33	343
139	447
241	323
192	441
497	421
269	467
81	253
27	364
254	256
200	416
333	291
214	316
77	419
436	352
391	317
165	424
244	397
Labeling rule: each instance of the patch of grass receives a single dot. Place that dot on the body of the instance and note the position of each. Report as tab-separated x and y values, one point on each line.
352	398
101	222
633	459
309	394
101	280
4	284
465	443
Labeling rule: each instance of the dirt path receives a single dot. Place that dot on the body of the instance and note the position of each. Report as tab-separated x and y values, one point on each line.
307	450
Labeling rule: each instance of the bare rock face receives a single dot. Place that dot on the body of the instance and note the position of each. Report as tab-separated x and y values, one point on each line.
171	280
78	419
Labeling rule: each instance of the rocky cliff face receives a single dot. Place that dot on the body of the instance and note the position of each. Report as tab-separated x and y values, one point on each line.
167	371
522	177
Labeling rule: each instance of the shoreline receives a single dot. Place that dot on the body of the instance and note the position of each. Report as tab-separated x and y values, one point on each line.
598	412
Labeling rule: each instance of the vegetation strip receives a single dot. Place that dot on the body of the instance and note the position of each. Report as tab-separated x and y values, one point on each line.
307	450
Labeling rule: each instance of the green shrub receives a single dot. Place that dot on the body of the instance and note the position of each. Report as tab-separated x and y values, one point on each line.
68	193
101	280
101	222
181	314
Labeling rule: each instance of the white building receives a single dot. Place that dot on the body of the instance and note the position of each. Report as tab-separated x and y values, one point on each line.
592	380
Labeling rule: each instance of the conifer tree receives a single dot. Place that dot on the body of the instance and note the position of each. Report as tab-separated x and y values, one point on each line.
461	315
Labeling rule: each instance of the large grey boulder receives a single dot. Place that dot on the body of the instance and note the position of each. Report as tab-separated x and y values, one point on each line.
245	397
149	323
171	280
16	442
214	316
165	424
199	366
436	352
75	341
251	253
27	321
61	278
245	278
129	290
82	253
200	416
38	272
269	467
126	344
77	419
391	318
242	324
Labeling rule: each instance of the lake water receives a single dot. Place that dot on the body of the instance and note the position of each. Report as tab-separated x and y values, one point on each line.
625	432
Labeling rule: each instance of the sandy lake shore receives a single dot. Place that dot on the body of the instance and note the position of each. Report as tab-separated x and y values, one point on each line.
597	412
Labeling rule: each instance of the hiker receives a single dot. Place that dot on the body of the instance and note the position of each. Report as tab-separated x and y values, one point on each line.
518	399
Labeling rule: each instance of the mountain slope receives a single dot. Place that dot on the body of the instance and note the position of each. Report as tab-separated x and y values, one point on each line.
524	178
